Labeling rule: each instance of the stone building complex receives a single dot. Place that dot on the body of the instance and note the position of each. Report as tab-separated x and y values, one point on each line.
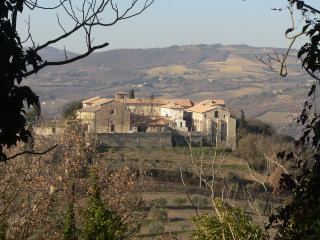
210	118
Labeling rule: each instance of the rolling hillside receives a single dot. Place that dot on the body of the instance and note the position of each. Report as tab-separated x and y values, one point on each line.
197	72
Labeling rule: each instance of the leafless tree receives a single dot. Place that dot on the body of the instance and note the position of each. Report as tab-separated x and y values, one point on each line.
87	16
19	60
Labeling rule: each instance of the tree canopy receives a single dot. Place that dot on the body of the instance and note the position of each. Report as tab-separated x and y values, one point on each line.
69	111
300	217
131	94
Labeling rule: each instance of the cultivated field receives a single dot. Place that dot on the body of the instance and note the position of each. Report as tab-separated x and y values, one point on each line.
165	164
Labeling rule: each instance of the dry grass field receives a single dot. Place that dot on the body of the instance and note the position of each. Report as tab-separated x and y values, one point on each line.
168	161
277	117
168	70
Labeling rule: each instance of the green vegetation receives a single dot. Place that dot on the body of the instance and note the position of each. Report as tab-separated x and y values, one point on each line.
156	227
32	114
34	189
131	94
231	223
99	222
69	111
70	231
299	218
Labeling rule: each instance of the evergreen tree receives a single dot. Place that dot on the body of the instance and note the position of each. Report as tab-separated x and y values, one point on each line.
70	231
69	111
100	222
243	123
131	94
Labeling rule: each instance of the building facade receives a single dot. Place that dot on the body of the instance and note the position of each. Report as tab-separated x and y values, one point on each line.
109	117
211	118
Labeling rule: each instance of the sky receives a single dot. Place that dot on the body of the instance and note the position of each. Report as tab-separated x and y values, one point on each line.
180	22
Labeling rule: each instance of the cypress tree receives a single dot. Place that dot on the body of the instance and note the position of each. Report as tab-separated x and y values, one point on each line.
131	94
243	123
99	222
70	231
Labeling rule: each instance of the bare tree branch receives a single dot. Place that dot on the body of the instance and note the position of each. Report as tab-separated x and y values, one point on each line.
30	152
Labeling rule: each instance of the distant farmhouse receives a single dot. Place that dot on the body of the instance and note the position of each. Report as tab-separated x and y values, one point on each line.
120	114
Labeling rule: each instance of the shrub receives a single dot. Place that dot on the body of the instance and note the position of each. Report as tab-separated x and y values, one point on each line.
99	222
160	202
69	111
233	224
156	227
179	201
159	213
70	231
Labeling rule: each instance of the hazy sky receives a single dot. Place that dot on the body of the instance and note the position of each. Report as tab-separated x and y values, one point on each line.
179	22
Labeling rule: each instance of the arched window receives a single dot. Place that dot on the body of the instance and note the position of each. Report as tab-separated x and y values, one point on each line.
216	114
112	126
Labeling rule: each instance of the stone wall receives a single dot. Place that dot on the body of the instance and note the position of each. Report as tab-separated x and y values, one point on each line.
48	131
136	140
186	138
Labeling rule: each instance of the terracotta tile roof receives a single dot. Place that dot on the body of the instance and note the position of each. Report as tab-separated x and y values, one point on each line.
213	101
206	106
160	101
200	108
102	101
97	101
182	102
146	101
91	100
136	101
172	106
90	109
121	93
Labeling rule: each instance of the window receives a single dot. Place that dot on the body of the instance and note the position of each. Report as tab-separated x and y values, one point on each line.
180	124
112	126
205	115
113	112
216	114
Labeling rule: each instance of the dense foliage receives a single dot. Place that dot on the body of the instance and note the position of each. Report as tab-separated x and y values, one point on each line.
69	111
131	94
100	222
232	224
14	61
300	217
70	230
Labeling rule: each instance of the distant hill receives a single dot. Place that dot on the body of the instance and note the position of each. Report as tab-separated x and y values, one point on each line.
195	71
53	54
